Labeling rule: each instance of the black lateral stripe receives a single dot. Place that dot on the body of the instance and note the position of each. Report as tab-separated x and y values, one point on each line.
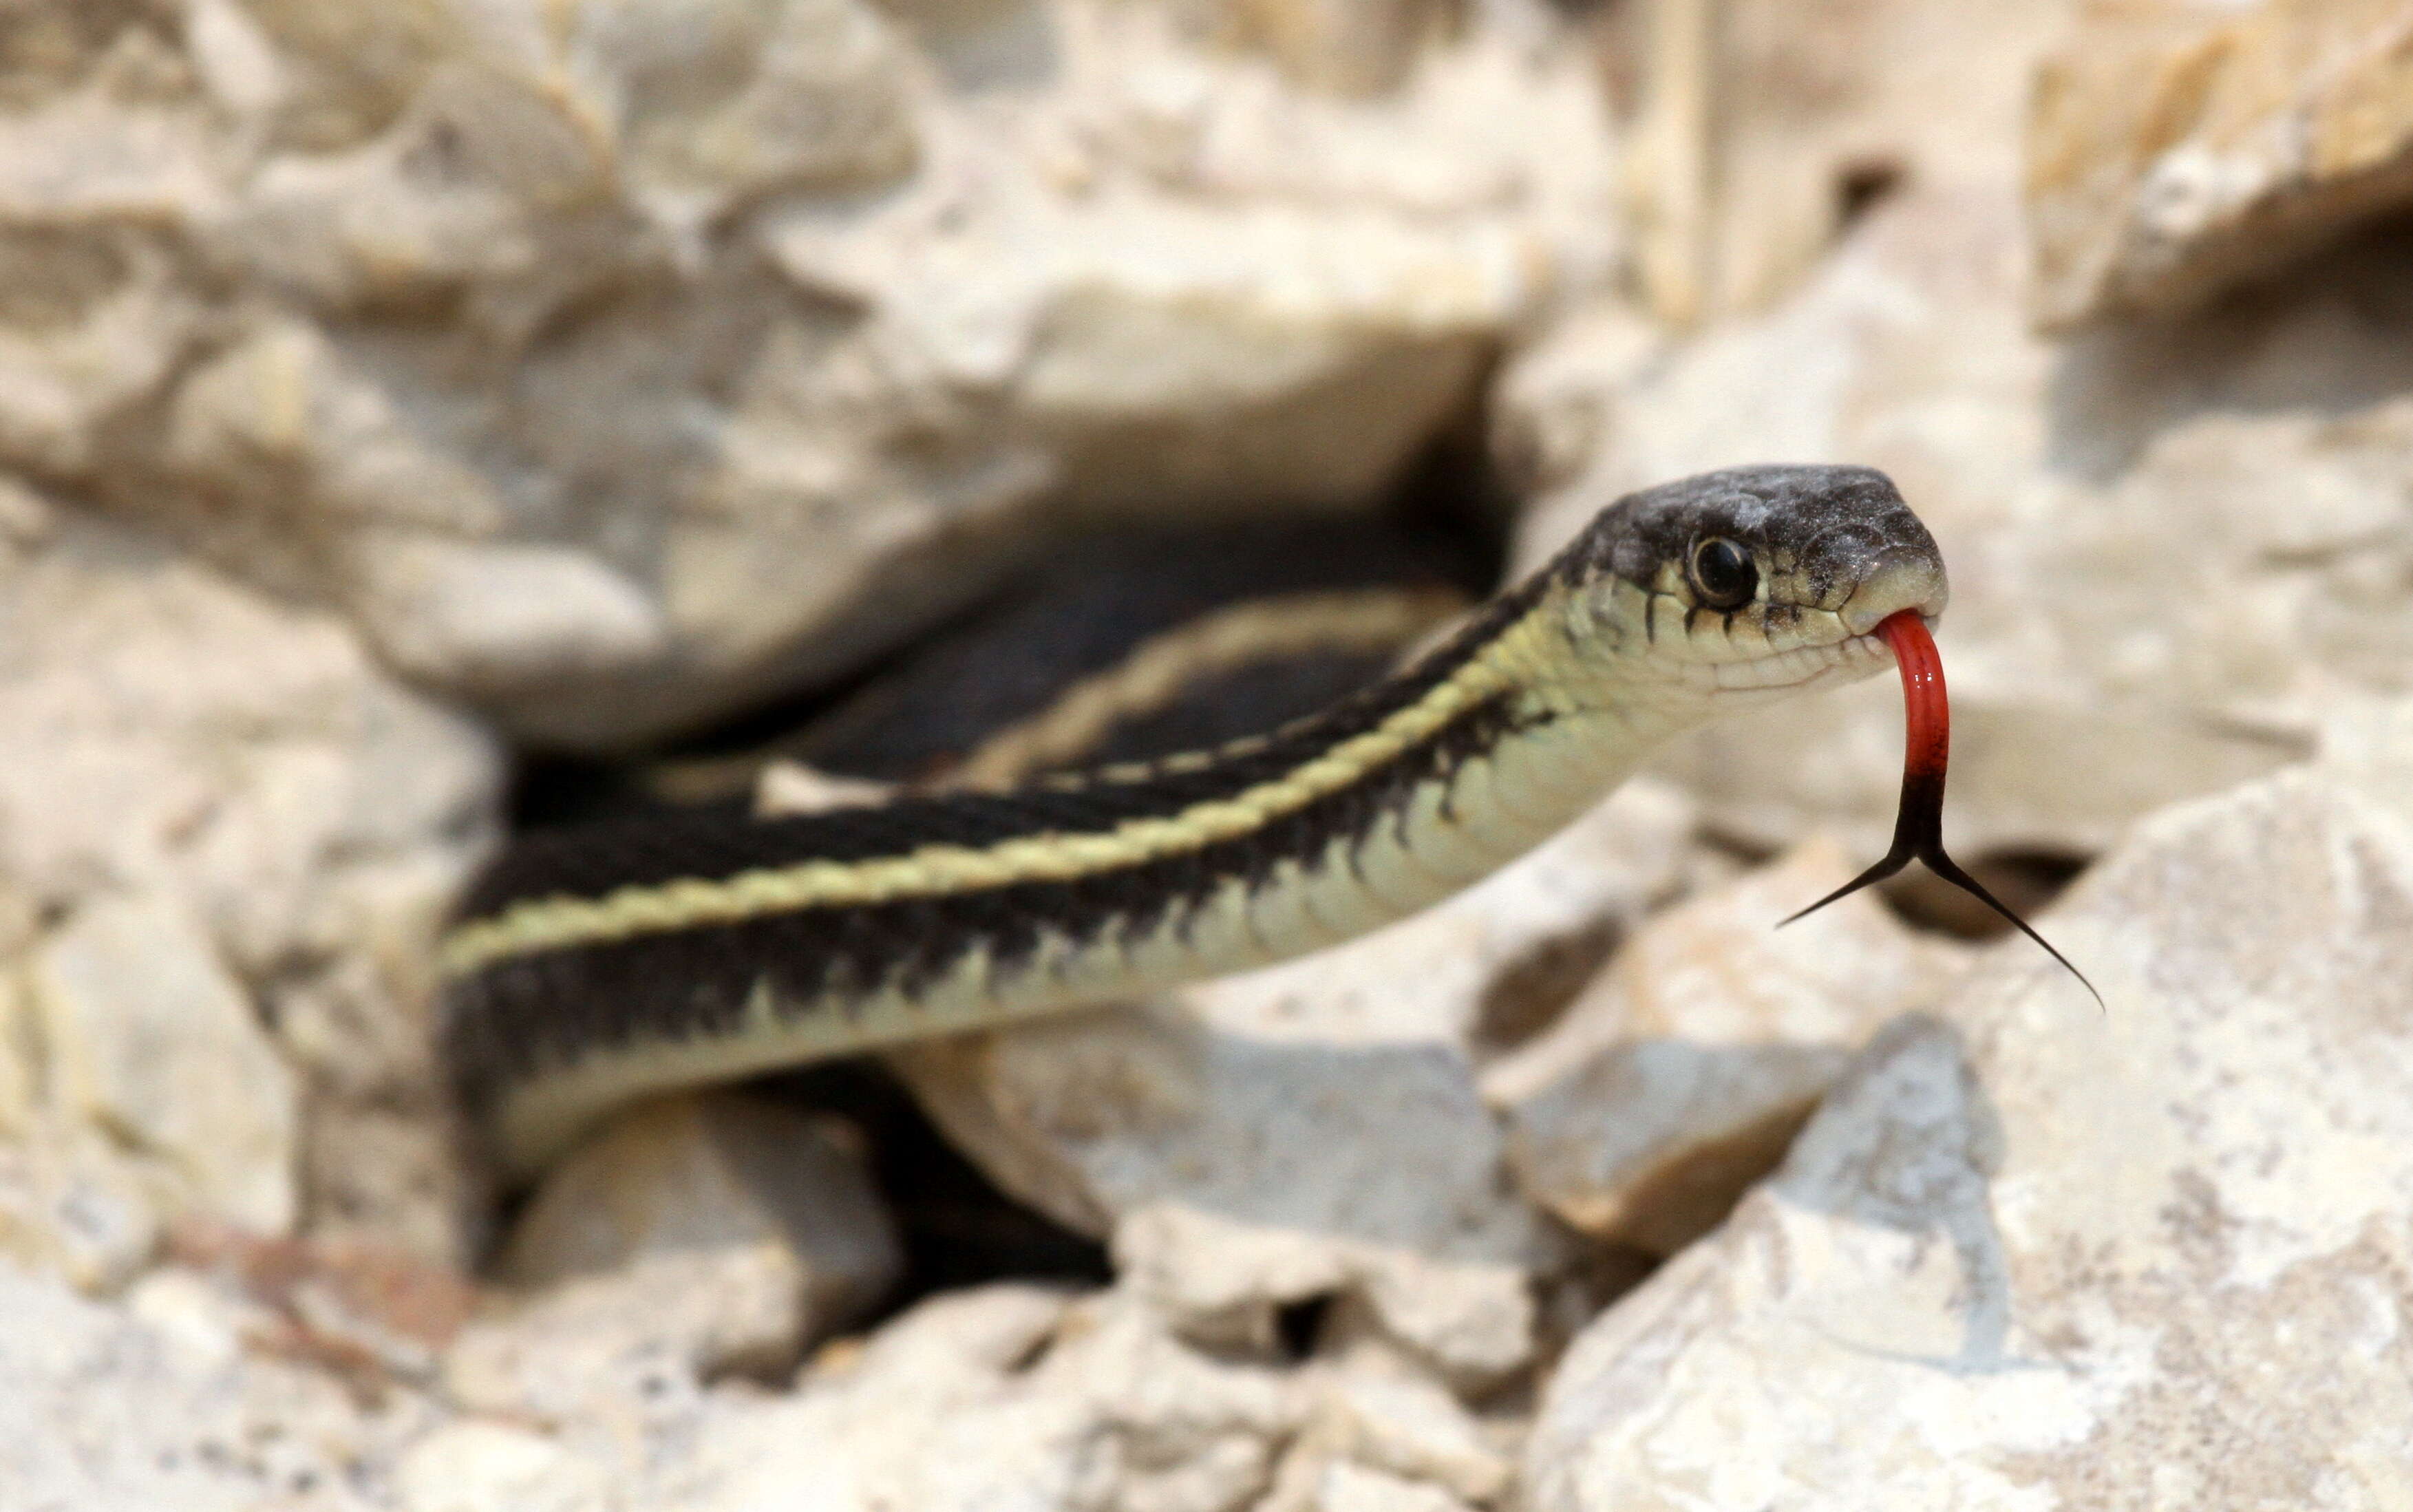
592	861
516	1017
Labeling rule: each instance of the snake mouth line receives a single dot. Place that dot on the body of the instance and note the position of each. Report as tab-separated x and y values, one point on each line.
1854	656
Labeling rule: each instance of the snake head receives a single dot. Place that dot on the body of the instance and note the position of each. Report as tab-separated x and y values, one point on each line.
1760	579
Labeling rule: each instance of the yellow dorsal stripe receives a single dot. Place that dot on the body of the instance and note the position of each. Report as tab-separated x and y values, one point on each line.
558	923
1154	675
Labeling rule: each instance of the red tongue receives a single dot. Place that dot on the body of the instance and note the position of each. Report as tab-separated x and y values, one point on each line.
1926	749
1927	713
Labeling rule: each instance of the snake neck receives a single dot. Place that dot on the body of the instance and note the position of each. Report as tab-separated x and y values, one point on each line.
725	947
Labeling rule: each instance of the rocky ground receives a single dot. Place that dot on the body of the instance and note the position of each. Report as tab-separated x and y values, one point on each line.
384	388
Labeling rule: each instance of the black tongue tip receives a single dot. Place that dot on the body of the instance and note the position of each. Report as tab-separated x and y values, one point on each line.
1950	869
1876	874
1946	867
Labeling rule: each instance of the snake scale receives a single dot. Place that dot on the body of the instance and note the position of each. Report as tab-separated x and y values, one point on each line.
589	966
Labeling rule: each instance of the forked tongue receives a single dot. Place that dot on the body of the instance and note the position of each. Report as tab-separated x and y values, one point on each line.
1926	749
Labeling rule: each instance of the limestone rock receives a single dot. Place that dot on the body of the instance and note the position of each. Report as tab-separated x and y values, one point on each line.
612	363
707	1171
224	820
1221	1281
474	1466
1764	129
372	1315
1093	1115
1684	1072
2175	149
147	1037
2174	549
696	1236
73	1205
2156	1254
162	1404
1374	1427
1010	1397
1351	1488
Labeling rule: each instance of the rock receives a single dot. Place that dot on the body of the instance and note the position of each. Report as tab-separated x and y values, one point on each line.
714	1170
1090	1117
1374	1424
2029	1249
1222	1283
1763	130
244	828
697	1236
478	1466
2175	150
2127	601
74	1207
1010	1397
1343	1486
371	1315
146	1036
161	1404
71	1204
1681	1073
612	364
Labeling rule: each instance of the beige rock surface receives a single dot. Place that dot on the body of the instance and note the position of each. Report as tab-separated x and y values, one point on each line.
694	1237
605	363
1010	1397
1371	1415
2033	1256
146	1036
1344	1486
160	1404
1094	1116
1763	128
2176	148
1016	1397
479	1466
228	837
1468	1322
1681	1073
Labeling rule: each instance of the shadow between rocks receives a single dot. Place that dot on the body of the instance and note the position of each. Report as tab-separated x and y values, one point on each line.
957	1229
1909	1140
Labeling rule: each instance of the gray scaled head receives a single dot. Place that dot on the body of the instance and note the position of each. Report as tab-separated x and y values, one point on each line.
1769	574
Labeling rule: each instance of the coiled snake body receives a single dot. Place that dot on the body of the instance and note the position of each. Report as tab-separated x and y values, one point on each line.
590	968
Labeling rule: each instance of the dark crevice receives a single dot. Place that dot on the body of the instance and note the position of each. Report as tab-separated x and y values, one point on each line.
1532	992
2025	879
1298	1327
1862	186
957	1228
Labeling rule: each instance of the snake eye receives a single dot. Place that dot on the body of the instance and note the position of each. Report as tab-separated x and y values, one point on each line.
1723	573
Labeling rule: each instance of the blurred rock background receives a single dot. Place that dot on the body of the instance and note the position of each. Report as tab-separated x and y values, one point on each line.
389	389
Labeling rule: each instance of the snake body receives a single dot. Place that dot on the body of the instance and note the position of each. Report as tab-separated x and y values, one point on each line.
587	968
